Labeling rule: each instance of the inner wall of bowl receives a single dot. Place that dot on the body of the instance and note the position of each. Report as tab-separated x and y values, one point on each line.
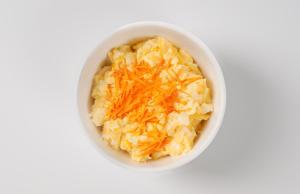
123	36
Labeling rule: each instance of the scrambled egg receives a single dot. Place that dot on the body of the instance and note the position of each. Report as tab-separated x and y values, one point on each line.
150	101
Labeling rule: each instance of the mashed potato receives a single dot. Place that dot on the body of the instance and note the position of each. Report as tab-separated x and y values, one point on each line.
151	100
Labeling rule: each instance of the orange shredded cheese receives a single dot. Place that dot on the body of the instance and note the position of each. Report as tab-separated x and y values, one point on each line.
135	96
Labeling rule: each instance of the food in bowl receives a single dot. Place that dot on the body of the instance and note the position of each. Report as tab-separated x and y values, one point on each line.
151	100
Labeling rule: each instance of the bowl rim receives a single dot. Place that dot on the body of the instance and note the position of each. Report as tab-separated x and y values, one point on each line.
220	76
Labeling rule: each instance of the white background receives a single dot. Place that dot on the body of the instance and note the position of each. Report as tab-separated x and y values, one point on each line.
44	43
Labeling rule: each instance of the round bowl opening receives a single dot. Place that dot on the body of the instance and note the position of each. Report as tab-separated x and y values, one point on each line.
182	39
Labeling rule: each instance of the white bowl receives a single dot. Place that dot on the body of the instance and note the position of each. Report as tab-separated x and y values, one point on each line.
203	57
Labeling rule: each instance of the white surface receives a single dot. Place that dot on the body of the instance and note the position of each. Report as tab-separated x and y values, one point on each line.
181	38
43	45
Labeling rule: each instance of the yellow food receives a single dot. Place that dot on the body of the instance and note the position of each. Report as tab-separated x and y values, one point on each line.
151	100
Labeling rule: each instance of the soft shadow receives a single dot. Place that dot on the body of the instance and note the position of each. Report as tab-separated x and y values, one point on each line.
240	141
